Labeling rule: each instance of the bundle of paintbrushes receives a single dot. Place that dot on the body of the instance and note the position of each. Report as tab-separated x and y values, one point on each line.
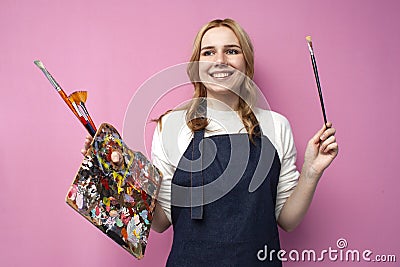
75	101
314	64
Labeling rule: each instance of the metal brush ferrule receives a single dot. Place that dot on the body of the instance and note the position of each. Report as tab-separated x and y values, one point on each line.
51	80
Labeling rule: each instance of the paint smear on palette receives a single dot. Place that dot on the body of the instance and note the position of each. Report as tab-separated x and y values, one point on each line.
117	199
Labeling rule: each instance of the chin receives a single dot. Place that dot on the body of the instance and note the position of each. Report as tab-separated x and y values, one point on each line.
219	90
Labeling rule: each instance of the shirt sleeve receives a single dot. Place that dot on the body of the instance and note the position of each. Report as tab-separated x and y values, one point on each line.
289	174
160	160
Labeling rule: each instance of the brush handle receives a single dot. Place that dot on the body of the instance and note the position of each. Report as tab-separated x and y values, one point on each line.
85	122
321	99
68	102
90	129
82	104
88	126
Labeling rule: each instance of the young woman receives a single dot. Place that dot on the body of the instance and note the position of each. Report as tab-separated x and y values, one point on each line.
236	160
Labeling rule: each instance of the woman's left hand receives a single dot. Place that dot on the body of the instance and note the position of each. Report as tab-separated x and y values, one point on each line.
321	150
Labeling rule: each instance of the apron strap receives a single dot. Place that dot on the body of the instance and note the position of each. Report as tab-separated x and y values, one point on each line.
196	178
197	181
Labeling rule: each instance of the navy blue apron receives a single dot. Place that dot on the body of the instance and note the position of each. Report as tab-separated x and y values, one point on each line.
233	229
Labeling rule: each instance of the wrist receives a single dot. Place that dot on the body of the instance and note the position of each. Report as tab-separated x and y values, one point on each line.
310	173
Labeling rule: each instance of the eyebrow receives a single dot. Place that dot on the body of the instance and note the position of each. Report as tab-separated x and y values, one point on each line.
225	46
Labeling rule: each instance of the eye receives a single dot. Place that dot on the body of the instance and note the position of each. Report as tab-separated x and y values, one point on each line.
232	51
207	53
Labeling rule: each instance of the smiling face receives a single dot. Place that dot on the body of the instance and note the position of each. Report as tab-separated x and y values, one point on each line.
222	65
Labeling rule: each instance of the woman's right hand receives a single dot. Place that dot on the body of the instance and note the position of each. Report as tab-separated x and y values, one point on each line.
88	141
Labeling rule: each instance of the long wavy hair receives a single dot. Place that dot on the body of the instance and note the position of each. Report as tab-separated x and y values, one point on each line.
247	97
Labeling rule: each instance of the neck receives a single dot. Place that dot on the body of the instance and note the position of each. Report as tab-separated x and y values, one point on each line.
228	101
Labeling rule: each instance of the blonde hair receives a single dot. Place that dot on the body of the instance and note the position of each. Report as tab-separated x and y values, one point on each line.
248	93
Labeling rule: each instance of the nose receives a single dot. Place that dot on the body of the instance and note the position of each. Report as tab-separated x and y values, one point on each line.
221	59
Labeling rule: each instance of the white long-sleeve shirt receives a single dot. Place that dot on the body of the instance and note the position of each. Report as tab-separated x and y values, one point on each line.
170	143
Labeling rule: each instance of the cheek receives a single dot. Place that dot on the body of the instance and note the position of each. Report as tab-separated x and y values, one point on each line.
239	64
203	71
205	59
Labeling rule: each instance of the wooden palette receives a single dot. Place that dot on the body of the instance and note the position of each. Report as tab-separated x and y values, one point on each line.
117	199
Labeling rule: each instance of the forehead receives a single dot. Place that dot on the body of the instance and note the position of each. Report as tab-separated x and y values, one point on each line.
219	36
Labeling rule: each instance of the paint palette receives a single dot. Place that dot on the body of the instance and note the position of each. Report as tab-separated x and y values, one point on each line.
118	199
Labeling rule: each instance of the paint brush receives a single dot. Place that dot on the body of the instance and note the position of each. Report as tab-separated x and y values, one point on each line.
61	92
80	97
82	117
314	64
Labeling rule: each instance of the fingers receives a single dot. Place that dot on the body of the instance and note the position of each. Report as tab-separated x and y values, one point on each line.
328	124
328	139
316	138
88	141
328	143
116	157
332	148
327	133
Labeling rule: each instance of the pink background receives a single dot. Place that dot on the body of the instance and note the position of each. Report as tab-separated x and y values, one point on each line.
111	48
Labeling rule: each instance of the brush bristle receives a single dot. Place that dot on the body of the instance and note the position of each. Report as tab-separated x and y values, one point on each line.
39	64
79	96
308	38
71	98
83	94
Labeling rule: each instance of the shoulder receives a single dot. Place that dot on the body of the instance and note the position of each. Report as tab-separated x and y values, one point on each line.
173	137
171	122
269	118
277	128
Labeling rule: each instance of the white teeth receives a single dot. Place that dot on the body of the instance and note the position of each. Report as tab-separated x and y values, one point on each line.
221	74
